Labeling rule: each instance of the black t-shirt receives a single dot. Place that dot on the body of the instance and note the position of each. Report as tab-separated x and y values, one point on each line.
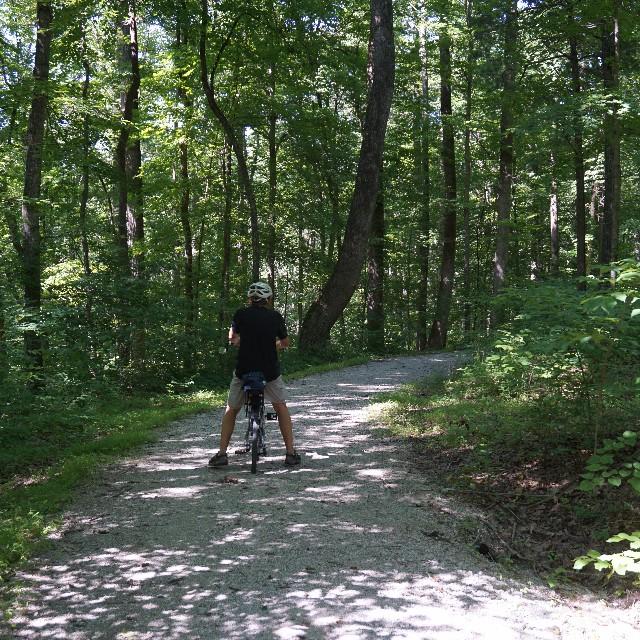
258	327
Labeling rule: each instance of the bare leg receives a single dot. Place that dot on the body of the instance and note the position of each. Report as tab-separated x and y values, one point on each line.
284	422
228	425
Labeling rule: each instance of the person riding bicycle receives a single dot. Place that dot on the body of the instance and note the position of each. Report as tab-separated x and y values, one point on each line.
259	331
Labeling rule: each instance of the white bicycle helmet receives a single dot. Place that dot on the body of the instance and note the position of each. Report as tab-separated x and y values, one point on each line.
259	291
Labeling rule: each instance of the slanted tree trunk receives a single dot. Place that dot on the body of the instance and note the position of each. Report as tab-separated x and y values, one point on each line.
440	326
612	172
578	164
505	180
424	171
375	278
30	245
336	293
208	85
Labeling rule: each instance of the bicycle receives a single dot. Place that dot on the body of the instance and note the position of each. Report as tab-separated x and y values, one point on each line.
253	385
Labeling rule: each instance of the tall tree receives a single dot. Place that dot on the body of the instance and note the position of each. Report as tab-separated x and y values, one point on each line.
440	326
423	171
130	221
611	130
506	154
227	186
86	143
338	290
578	152
185	199
466	188
375	278
31	240
554	229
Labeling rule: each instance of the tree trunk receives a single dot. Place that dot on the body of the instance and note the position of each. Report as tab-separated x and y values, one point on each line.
466	319
84	196
375	278
30	247
301	253
133	196
226	238
128	95
578	163
595	214
334	229
4	360
84	199
197	276
231	138
440	326
185	206
273	184
424	170
554	234
505	181
612	174
187	234
337	292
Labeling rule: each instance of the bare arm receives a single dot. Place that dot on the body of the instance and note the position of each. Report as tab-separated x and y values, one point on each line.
234	338
282	343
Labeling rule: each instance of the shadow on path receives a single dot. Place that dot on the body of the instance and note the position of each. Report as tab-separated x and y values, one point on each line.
161	547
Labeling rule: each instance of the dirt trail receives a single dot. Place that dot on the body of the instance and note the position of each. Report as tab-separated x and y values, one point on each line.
352	545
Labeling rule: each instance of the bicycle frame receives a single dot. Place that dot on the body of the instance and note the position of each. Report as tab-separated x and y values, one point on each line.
255	441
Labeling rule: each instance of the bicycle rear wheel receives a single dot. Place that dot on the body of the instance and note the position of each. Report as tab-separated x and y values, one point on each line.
255	426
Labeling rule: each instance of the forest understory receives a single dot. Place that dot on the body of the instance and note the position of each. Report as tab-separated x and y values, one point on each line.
533	512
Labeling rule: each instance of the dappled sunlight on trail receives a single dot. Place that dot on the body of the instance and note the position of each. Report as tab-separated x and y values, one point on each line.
350	545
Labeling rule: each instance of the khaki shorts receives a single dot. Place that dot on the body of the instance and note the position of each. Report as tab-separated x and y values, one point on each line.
275	392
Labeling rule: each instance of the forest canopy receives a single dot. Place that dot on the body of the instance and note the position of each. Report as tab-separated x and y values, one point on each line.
159	156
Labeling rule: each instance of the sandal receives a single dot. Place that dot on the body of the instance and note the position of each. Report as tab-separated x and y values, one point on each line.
292	459
219	460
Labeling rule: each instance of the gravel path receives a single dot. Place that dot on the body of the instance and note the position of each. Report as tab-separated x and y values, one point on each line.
352	545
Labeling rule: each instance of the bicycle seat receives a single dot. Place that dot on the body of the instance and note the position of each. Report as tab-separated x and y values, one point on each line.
253	381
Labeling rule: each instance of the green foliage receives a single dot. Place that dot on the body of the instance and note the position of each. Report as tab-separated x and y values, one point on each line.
621	563
617	461
561	374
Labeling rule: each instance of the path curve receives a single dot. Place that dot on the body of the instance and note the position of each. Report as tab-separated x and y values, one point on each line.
352	545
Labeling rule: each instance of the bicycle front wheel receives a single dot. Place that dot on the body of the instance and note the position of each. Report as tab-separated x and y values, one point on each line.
255	427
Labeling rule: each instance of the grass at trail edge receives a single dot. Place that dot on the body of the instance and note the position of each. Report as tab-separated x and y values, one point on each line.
45	459
520	459
51	445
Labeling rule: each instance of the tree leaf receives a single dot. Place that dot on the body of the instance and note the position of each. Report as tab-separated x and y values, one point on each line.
581	562
635	483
